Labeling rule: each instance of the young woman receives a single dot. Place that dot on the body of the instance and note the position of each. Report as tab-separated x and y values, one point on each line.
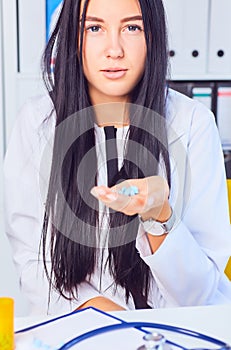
155	233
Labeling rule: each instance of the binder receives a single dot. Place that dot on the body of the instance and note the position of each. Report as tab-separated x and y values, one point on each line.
219	39
203	94
52	11
224	115
31	35
188	30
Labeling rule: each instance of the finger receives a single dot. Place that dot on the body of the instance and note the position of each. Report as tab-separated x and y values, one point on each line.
104	192
123	198
110	198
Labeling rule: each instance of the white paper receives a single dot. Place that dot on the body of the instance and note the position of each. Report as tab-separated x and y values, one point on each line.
53	335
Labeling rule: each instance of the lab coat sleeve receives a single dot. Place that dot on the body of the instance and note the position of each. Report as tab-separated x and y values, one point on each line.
188	267
24	210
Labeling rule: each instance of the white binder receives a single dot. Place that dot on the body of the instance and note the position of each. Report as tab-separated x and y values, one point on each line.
188	29
220	41
203	94
32	35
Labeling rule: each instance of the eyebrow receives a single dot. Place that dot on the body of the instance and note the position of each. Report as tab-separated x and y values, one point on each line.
132	18
126	19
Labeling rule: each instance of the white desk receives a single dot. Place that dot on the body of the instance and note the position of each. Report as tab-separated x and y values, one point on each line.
211	320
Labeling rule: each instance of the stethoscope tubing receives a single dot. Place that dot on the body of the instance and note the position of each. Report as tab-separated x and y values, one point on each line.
140	325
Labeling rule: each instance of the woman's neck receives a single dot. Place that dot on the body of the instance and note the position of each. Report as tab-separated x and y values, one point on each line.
112	114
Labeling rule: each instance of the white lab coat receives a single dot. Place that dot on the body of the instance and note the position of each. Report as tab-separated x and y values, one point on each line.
187	269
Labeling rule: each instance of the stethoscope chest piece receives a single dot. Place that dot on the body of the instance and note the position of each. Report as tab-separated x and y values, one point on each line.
154	341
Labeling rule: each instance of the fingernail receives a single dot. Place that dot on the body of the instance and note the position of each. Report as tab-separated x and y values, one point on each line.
95	191
100	191
111	196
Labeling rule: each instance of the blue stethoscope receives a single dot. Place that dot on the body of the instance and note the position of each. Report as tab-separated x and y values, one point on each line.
153	341
150	338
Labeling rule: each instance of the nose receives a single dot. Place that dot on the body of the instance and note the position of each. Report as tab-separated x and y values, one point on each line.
114	47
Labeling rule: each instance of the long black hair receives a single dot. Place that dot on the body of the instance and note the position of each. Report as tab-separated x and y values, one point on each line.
72	224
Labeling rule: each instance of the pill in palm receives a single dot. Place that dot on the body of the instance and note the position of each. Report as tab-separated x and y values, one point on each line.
129	191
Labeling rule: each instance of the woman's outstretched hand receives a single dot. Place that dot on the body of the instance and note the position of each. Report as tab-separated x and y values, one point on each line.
151	201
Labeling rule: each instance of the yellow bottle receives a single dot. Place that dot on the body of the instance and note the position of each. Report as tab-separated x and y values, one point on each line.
6	324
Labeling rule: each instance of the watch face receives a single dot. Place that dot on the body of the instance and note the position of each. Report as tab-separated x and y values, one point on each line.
154	228
157	228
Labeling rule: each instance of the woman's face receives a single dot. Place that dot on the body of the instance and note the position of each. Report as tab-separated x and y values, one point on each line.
114	49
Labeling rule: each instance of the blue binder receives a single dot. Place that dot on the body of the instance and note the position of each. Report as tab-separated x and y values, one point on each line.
51	6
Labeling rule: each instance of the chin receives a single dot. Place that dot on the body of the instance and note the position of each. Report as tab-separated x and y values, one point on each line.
117	94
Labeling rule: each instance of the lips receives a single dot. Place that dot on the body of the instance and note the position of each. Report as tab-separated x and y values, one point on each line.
114	73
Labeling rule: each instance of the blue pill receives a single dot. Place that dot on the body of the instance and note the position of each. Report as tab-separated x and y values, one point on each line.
129	191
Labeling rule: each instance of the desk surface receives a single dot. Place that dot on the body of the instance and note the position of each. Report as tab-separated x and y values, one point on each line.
211	320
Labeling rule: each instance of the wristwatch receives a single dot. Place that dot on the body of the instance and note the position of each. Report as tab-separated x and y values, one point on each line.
157	228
